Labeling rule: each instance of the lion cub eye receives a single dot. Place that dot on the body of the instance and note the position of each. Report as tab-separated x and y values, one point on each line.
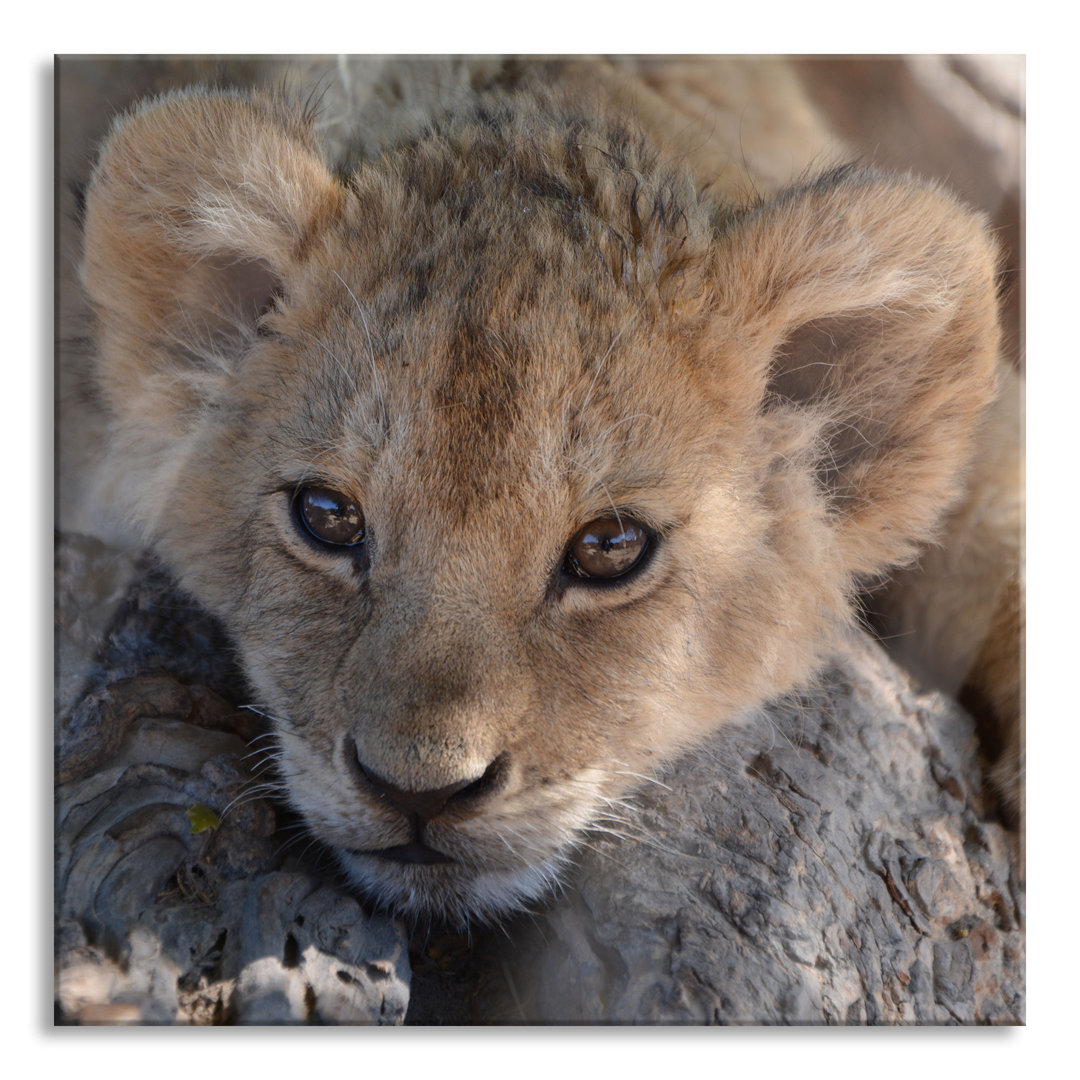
329	516
607	548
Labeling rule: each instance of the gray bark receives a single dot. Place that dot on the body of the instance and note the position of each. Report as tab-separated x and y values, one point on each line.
160	917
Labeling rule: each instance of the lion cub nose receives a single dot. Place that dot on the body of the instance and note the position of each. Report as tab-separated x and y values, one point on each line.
421	806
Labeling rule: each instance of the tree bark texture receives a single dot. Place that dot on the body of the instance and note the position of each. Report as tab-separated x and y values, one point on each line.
177	900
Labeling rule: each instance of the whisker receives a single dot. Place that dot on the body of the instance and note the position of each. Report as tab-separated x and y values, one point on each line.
367	331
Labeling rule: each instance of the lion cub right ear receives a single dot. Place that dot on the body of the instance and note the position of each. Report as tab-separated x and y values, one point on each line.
859	311
198	213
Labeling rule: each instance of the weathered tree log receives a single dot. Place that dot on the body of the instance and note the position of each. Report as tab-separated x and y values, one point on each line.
829	862
175	901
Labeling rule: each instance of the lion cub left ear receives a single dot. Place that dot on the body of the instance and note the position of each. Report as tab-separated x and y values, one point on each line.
857	316
198	213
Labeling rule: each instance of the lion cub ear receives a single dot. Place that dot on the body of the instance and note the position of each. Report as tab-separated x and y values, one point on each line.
198	213
864	307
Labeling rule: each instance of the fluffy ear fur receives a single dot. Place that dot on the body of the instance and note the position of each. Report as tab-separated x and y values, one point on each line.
198	216
200	207
863	309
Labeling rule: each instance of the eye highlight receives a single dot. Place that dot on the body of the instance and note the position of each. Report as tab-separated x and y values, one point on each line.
607	548
328	516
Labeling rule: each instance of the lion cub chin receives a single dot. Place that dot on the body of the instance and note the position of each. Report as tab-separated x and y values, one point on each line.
511	462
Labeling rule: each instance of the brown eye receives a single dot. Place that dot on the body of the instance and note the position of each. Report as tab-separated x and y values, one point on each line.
607	548
329	516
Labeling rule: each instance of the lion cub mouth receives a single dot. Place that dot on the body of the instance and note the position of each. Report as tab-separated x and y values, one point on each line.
409	854
466	852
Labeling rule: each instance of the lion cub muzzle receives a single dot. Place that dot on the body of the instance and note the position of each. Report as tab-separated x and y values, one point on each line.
466	797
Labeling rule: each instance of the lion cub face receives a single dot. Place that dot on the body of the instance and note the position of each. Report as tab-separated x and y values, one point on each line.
511	465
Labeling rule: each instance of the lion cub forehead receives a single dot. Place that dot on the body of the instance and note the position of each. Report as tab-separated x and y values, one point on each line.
503	206
493	314
522	415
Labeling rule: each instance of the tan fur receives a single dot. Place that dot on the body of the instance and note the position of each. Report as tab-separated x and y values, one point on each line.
521	321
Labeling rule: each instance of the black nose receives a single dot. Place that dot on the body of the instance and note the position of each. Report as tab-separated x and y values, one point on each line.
421	806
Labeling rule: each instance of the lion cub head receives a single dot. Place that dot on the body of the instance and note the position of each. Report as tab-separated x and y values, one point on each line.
512	464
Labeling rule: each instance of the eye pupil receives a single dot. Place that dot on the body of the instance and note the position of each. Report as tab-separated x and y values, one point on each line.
330	516
607	548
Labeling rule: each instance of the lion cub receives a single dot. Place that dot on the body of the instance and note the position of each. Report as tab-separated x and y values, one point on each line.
512	460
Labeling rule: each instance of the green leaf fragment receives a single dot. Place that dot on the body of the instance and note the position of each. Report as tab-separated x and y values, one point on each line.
202	818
